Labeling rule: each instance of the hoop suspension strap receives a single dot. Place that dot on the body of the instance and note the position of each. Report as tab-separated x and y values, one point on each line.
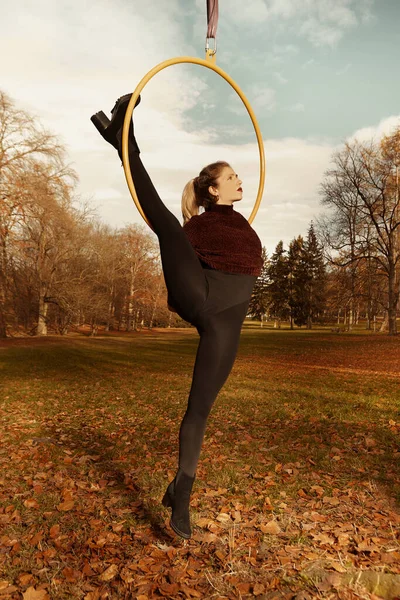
212	18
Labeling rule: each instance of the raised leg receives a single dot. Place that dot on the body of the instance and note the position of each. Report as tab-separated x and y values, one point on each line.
184	275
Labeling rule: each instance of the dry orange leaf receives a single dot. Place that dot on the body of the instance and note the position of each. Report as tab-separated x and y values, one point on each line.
317	518
203	522
258	589
243	588
25	578
71	575
323	538
318	490
87	570
8	590
191	592
338	567
67	505
270	527
223	517
31	503
94	595
54	531
32	594
109	573
127	576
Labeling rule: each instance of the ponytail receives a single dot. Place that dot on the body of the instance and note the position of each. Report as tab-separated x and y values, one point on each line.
189	202
196	192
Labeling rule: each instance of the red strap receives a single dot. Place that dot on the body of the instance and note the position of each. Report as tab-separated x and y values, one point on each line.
212	18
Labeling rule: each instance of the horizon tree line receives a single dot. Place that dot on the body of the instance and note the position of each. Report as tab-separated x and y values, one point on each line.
61	267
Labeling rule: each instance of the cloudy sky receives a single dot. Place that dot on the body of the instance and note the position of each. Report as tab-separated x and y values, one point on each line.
316	72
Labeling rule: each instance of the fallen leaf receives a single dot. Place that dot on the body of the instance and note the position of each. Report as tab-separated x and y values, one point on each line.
223	517
25	578
323	538
270	527
190	591
370	442
338	567
31	503
203	522
318	490
109	573
94	595
8	590
317	518
243	588
258	589
32	594
365	547
67	505
54	531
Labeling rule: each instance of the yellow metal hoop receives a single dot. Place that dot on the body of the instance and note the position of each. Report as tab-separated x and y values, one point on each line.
209	64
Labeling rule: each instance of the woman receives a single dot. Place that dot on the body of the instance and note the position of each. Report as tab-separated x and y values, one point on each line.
210	266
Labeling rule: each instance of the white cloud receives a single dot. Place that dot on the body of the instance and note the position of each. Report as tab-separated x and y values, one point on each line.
309	63
298	107
385	127
262	97
322	22
320	34
280	78
251	13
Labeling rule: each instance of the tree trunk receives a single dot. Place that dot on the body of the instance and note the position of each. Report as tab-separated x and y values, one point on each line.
392	304
154	311
41	328
110	309
3	324
94	328
385	323
3	292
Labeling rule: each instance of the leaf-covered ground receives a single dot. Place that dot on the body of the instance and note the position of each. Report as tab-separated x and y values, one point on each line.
297	493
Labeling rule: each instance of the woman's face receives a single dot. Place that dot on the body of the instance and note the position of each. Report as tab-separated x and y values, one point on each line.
229	187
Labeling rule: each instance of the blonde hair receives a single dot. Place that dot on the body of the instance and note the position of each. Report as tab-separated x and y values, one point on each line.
196	192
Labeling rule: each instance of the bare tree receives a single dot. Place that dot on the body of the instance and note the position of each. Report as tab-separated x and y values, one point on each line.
23	142
363	191
45	229
139	256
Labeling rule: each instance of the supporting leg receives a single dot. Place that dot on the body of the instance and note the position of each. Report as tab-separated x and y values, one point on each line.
219	341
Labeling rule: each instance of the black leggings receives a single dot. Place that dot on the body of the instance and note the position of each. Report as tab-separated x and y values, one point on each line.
213	301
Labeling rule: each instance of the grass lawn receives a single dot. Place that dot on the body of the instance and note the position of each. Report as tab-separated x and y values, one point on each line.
297	492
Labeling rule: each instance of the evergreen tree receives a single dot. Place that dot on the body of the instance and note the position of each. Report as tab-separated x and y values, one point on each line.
297	282
258	306
278	286
315	289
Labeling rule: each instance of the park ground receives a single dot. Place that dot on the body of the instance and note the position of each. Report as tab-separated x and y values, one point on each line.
297	494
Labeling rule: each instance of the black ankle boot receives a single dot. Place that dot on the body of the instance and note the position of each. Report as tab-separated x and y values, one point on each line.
177	497
111	130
